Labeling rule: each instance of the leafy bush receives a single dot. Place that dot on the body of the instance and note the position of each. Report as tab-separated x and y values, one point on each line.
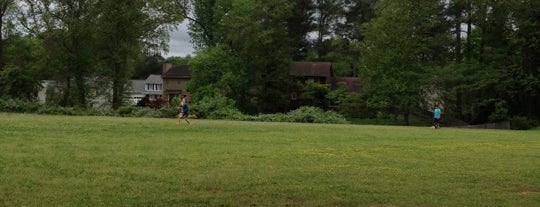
126	110
169	112
226	113
309	114
522	123
215	107
131	111
500	113
12	105
56	110
98	111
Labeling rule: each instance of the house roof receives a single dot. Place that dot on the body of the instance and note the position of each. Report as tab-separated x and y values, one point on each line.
137	86
154	79
178	71
311	69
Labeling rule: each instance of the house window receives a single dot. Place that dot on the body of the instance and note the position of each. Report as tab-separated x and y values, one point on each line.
294	96
154	87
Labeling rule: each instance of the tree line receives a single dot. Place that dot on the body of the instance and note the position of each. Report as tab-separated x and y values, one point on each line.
479	59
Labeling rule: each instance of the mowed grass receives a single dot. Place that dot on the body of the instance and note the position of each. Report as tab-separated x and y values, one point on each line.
111	161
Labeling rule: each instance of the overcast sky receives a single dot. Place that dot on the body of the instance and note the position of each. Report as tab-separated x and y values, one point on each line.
180	42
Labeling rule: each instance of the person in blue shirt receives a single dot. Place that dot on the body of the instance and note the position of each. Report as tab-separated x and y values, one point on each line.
184	111
437	118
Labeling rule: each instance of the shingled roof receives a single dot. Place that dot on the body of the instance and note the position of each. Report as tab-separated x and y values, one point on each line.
311	69
178	71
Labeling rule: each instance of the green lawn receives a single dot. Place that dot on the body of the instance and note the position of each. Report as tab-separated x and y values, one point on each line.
111	161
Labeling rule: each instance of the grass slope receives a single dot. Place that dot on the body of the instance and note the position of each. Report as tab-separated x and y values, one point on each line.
110	161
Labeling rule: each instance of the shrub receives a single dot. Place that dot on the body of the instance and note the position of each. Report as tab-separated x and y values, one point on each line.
125	110
98	111
500	113
215	107
308	114
522	123
56	110
169	112
146	112
226	113
12	105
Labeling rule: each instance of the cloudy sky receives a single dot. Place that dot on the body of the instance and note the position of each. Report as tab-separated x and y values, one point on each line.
180	42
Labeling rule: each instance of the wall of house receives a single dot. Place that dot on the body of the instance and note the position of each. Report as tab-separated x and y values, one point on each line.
174	87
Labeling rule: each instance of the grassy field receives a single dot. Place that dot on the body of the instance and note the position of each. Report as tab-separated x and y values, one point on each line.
111	161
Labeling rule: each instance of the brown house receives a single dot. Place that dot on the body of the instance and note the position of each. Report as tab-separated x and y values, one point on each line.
318	72
175	79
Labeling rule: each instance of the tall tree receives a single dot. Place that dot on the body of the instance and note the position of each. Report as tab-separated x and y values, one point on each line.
253	33
326	17
6	8
406	40
127	29
299	25
257	32
67	26
121	27
204	18
344	47
526	39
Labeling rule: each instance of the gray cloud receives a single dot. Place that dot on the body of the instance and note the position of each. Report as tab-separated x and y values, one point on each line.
180	42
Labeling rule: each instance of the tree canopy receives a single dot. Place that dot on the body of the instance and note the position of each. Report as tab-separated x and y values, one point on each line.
478	59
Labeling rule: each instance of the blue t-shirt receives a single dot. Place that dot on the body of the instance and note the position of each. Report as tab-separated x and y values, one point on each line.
437	113
185	108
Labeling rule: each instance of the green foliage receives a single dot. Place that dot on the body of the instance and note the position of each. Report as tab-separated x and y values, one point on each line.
315	94
176	60
396	60
58	110
250	69
215	107
500	113
355	105
17	105
169	112
17	83
133	111
217	70
315	115
522	123
126	110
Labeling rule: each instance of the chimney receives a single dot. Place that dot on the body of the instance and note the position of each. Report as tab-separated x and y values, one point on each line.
166	67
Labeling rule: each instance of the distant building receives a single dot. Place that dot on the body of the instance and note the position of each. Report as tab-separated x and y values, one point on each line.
136	92
318	72
153	87
175	79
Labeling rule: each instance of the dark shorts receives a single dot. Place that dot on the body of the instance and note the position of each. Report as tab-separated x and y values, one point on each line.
184	114
436	120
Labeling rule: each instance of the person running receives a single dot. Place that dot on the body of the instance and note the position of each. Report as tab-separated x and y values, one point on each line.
184	111
437	118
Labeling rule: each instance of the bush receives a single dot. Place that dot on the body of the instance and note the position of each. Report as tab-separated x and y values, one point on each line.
98	111
126	110
215	107
56	110
308	114
169	112
522	123
226	113
500	113
13	105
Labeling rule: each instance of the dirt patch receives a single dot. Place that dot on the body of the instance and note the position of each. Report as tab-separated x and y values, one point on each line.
527	193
